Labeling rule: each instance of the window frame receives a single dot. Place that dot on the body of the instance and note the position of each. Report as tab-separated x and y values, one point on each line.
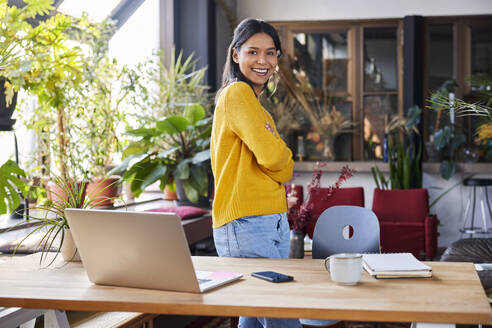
355	67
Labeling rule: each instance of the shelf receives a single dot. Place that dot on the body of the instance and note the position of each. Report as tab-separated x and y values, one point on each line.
359	166
365	166
433	168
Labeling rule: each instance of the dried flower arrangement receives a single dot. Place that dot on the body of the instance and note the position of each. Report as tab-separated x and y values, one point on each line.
300	216
318	104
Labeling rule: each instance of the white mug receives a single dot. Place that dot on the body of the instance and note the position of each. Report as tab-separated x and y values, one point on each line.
345	268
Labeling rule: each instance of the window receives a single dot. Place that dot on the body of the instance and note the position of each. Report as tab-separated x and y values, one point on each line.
352	68
380	95
458	48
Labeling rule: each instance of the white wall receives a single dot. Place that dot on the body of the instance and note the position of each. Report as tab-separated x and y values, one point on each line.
295	10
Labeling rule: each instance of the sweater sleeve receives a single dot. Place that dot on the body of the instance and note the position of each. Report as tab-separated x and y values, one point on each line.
247	120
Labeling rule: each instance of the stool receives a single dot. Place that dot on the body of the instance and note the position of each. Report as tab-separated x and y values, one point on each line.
484	228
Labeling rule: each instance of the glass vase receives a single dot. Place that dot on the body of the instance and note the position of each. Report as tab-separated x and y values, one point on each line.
328	148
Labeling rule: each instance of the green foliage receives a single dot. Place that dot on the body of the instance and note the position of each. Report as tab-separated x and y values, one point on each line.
93	108
16	35
176	147
160	91
404	163
41	60
78	115
66	193
404	155
379	178
446	138
10	185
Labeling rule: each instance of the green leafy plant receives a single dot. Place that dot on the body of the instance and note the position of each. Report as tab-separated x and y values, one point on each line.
171	122
446	137
405	152
52	224
177	147
160	91
94	106
18	38
449	140
481	86
10	185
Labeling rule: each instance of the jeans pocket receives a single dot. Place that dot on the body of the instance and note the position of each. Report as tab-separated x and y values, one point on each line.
283	227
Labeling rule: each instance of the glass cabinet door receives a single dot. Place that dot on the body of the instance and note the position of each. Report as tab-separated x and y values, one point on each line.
320	64
380	94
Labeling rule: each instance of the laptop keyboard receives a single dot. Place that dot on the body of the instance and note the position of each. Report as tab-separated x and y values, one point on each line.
202	281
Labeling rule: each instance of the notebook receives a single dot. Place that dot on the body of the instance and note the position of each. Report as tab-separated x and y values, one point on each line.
139	249
395	265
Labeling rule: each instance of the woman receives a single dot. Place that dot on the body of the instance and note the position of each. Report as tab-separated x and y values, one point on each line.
249	160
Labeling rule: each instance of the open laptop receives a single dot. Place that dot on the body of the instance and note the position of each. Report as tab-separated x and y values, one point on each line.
139	249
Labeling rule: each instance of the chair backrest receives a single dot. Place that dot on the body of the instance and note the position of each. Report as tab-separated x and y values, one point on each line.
342	196
401	204
329	237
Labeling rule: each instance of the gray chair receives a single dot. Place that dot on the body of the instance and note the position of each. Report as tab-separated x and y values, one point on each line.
343	229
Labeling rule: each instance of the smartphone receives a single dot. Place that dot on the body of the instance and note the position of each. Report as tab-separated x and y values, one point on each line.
272	276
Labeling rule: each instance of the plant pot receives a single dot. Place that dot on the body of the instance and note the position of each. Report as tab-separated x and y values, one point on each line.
103	191
56	194
68	249
296	244
169	194
6	121
183	200
433	155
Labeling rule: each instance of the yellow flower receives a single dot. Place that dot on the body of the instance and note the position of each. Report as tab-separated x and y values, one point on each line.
485	131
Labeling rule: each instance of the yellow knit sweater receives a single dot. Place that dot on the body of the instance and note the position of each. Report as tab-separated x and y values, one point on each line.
249	163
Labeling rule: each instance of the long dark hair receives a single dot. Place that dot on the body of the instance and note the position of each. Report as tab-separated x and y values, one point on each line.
246	29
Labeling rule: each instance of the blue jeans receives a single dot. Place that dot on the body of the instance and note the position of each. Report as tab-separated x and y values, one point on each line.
256	236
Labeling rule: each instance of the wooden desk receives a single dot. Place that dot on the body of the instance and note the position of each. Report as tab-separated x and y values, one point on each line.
453	295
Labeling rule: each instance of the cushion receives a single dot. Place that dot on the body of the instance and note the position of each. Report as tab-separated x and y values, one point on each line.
184	212
403	204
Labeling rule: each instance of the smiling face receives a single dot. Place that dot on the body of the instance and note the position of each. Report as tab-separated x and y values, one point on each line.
257	59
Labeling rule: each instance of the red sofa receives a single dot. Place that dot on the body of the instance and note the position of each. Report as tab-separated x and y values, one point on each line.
404	222
342	196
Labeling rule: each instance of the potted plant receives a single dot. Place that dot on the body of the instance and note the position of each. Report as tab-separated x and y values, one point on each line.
480	107
175	96
54	71
177	147
446	137
95	108
404	153
51	222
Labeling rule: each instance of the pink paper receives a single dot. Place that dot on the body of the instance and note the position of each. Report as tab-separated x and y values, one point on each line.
222	275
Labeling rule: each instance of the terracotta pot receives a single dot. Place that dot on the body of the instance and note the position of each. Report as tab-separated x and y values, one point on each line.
68	249
169	194
103	191
55	193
